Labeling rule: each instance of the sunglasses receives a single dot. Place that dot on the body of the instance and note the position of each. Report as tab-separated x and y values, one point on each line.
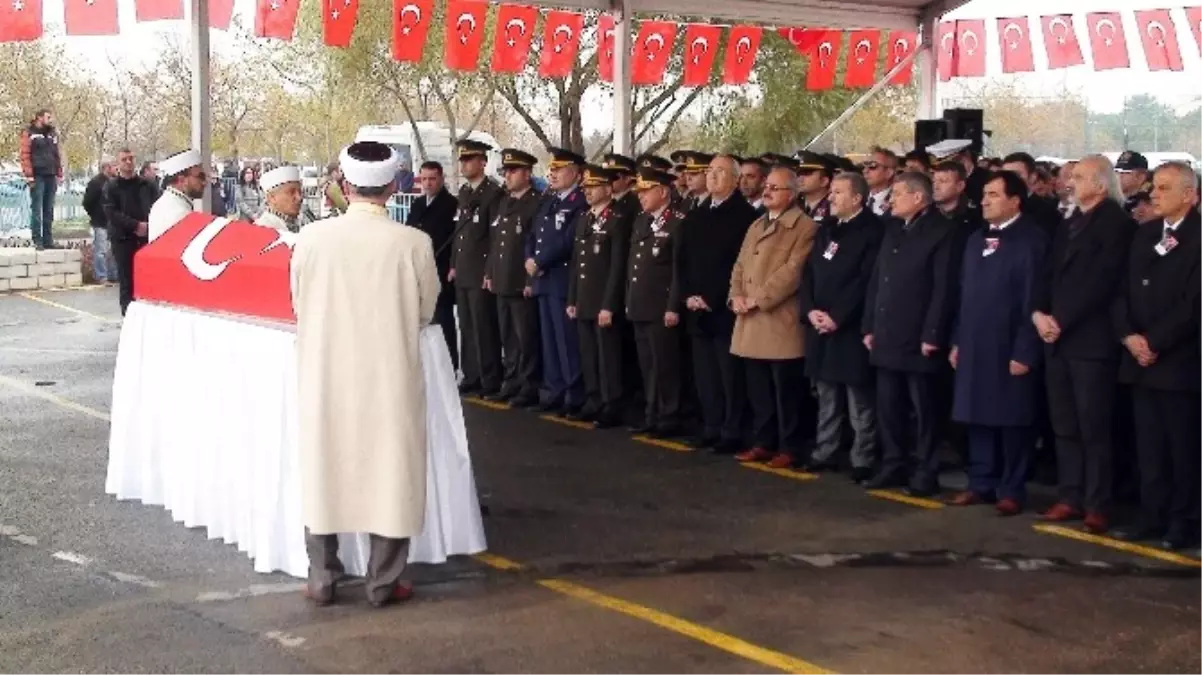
871	166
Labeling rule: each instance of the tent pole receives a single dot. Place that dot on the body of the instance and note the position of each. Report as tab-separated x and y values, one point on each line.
201	77
928	79
864	98
623	134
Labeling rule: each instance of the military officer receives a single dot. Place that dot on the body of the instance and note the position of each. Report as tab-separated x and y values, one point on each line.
680	181
649	161
548	255
1134	180
479	199
506	277
595	296
815	173
694	168
624	170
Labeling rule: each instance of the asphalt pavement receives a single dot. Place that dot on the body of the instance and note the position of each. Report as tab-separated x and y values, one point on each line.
607	554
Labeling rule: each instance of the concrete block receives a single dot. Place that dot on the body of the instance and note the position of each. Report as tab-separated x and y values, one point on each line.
74	255
75	267
18	256
3	285
43	269
5	257
52	281
23	284
73	280
14	271
54	255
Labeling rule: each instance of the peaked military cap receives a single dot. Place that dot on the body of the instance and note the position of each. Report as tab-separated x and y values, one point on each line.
697	161
650	178
948	148
597	175
512	158
469	148
1131	161
561	157
773	159
620	163
649	161
812	161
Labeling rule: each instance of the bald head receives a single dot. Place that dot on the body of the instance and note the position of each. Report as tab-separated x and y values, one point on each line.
1094	181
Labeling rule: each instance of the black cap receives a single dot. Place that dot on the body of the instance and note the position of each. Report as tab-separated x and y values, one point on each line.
597	175
758	161
773	159
649	161
469	149
561	158
512	158
1131	161
695	162
678	157
649	178
621	164
840	163
812	161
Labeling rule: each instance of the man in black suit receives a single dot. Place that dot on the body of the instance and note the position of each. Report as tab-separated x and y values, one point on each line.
711	236
753	171
1156	315
1072	312
1044	211
434	213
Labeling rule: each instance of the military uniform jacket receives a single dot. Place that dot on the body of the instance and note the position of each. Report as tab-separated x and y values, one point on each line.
629	203
909	296
512	227
819	211
551	245
598	280
651	288
469	253
1160	300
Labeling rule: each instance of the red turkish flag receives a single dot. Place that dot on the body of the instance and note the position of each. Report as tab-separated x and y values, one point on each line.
605	47
338	21
221	12
1194	16
947	49
90	17
742	45
862	49
802	39
158	10
276	19
901	43
410	23
1107	40
824	56
511	43
1060	41
652	49
1159	38
961	49
700	51
20	20
561	43
465	33
1014	39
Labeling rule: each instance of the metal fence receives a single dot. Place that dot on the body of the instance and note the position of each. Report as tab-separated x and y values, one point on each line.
15	202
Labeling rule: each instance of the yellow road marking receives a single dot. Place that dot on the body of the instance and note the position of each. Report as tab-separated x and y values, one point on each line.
662	443
475	400
895	496
497	562
567	422
787	473
44	301
57	400
85	287
1125	546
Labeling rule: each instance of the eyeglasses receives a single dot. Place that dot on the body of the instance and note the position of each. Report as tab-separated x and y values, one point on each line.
777	188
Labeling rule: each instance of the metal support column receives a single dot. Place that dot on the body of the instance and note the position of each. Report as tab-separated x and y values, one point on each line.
623	132
202	119
928	77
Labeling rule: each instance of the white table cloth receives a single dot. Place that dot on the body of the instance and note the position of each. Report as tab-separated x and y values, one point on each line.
204	422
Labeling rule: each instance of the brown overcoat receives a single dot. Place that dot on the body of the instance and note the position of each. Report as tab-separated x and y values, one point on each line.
769	272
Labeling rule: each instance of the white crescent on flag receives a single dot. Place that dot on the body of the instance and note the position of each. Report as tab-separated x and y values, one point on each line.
193	256
406	28
463	37
699	47
1107	39
1160	28
867	48
1062	35
743	47
566	31
976	42
1016	28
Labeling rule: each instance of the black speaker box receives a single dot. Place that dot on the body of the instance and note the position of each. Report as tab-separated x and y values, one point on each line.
967	123
929	132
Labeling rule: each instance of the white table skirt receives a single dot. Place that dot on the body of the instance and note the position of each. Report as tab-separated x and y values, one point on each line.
204	422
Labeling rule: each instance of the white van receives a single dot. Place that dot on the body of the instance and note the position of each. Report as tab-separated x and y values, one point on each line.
437	142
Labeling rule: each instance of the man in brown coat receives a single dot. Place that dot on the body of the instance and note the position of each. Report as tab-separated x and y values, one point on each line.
768	332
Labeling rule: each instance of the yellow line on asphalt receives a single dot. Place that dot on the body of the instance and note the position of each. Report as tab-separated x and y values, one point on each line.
567	422
85	287
895	496
475	400
787	473
1110	542
44	301
497	562
662	443
57	400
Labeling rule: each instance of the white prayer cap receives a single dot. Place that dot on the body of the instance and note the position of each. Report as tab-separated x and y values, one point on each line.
369	164
180	162
945	149
278	176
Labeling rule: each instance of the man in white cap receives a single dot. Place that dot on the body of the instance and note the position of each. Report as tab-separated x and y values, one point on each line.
184	181
282	188
359	378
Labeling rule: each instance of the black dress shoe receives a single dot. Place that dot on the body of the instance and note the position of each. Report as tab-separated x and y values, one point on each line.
465	389
581	415
605	422
523	401
666	432
727	446
641	428
1142	531
1179	537
860	474
487	394
812	466
498	397
922	490
702	441
549	406
883	480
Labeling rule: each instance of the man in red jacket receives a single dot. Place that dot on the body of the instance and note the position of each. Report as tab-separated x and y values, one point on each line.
42	165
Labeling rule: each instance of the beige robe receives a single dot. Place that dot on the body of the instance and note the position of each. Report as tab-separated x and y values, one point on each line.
363	286
269	219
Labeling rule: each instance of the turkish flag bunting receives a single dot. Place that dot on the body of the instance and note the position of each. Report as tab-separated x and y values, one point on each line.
901	43
221	12
338	21
863	47
652	49
1107	40
961	49
410	23
561	43
947	49
605	47
276	18
802	39
158	10
465	33
700	50
1014	39
1159	38
20	20
824	55
511	43
1194	16
742	45
90	17
1060	41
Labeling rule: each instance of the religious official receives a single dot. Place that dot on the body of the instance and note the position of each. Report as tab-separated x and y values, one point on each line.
507	278
879	170
1157	319
434	212
128	199
479	199
995	348
282	193
752	173
767	333
834	285
814	181
184	182
596	296
548	258
1132	168
1082	277
360	387
653	303
710	238
906	317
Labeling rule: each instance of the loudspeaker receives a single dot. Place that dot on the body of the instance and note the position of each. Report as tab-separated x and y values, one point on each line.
967	123
929	132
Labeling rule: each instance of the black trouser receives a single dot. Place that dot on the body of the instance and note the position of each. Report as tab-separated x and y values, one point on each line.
444	316
1081	404
123	255
481	355
775	389
601	367
897	395
721	387
659	359
518	319
1167	436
